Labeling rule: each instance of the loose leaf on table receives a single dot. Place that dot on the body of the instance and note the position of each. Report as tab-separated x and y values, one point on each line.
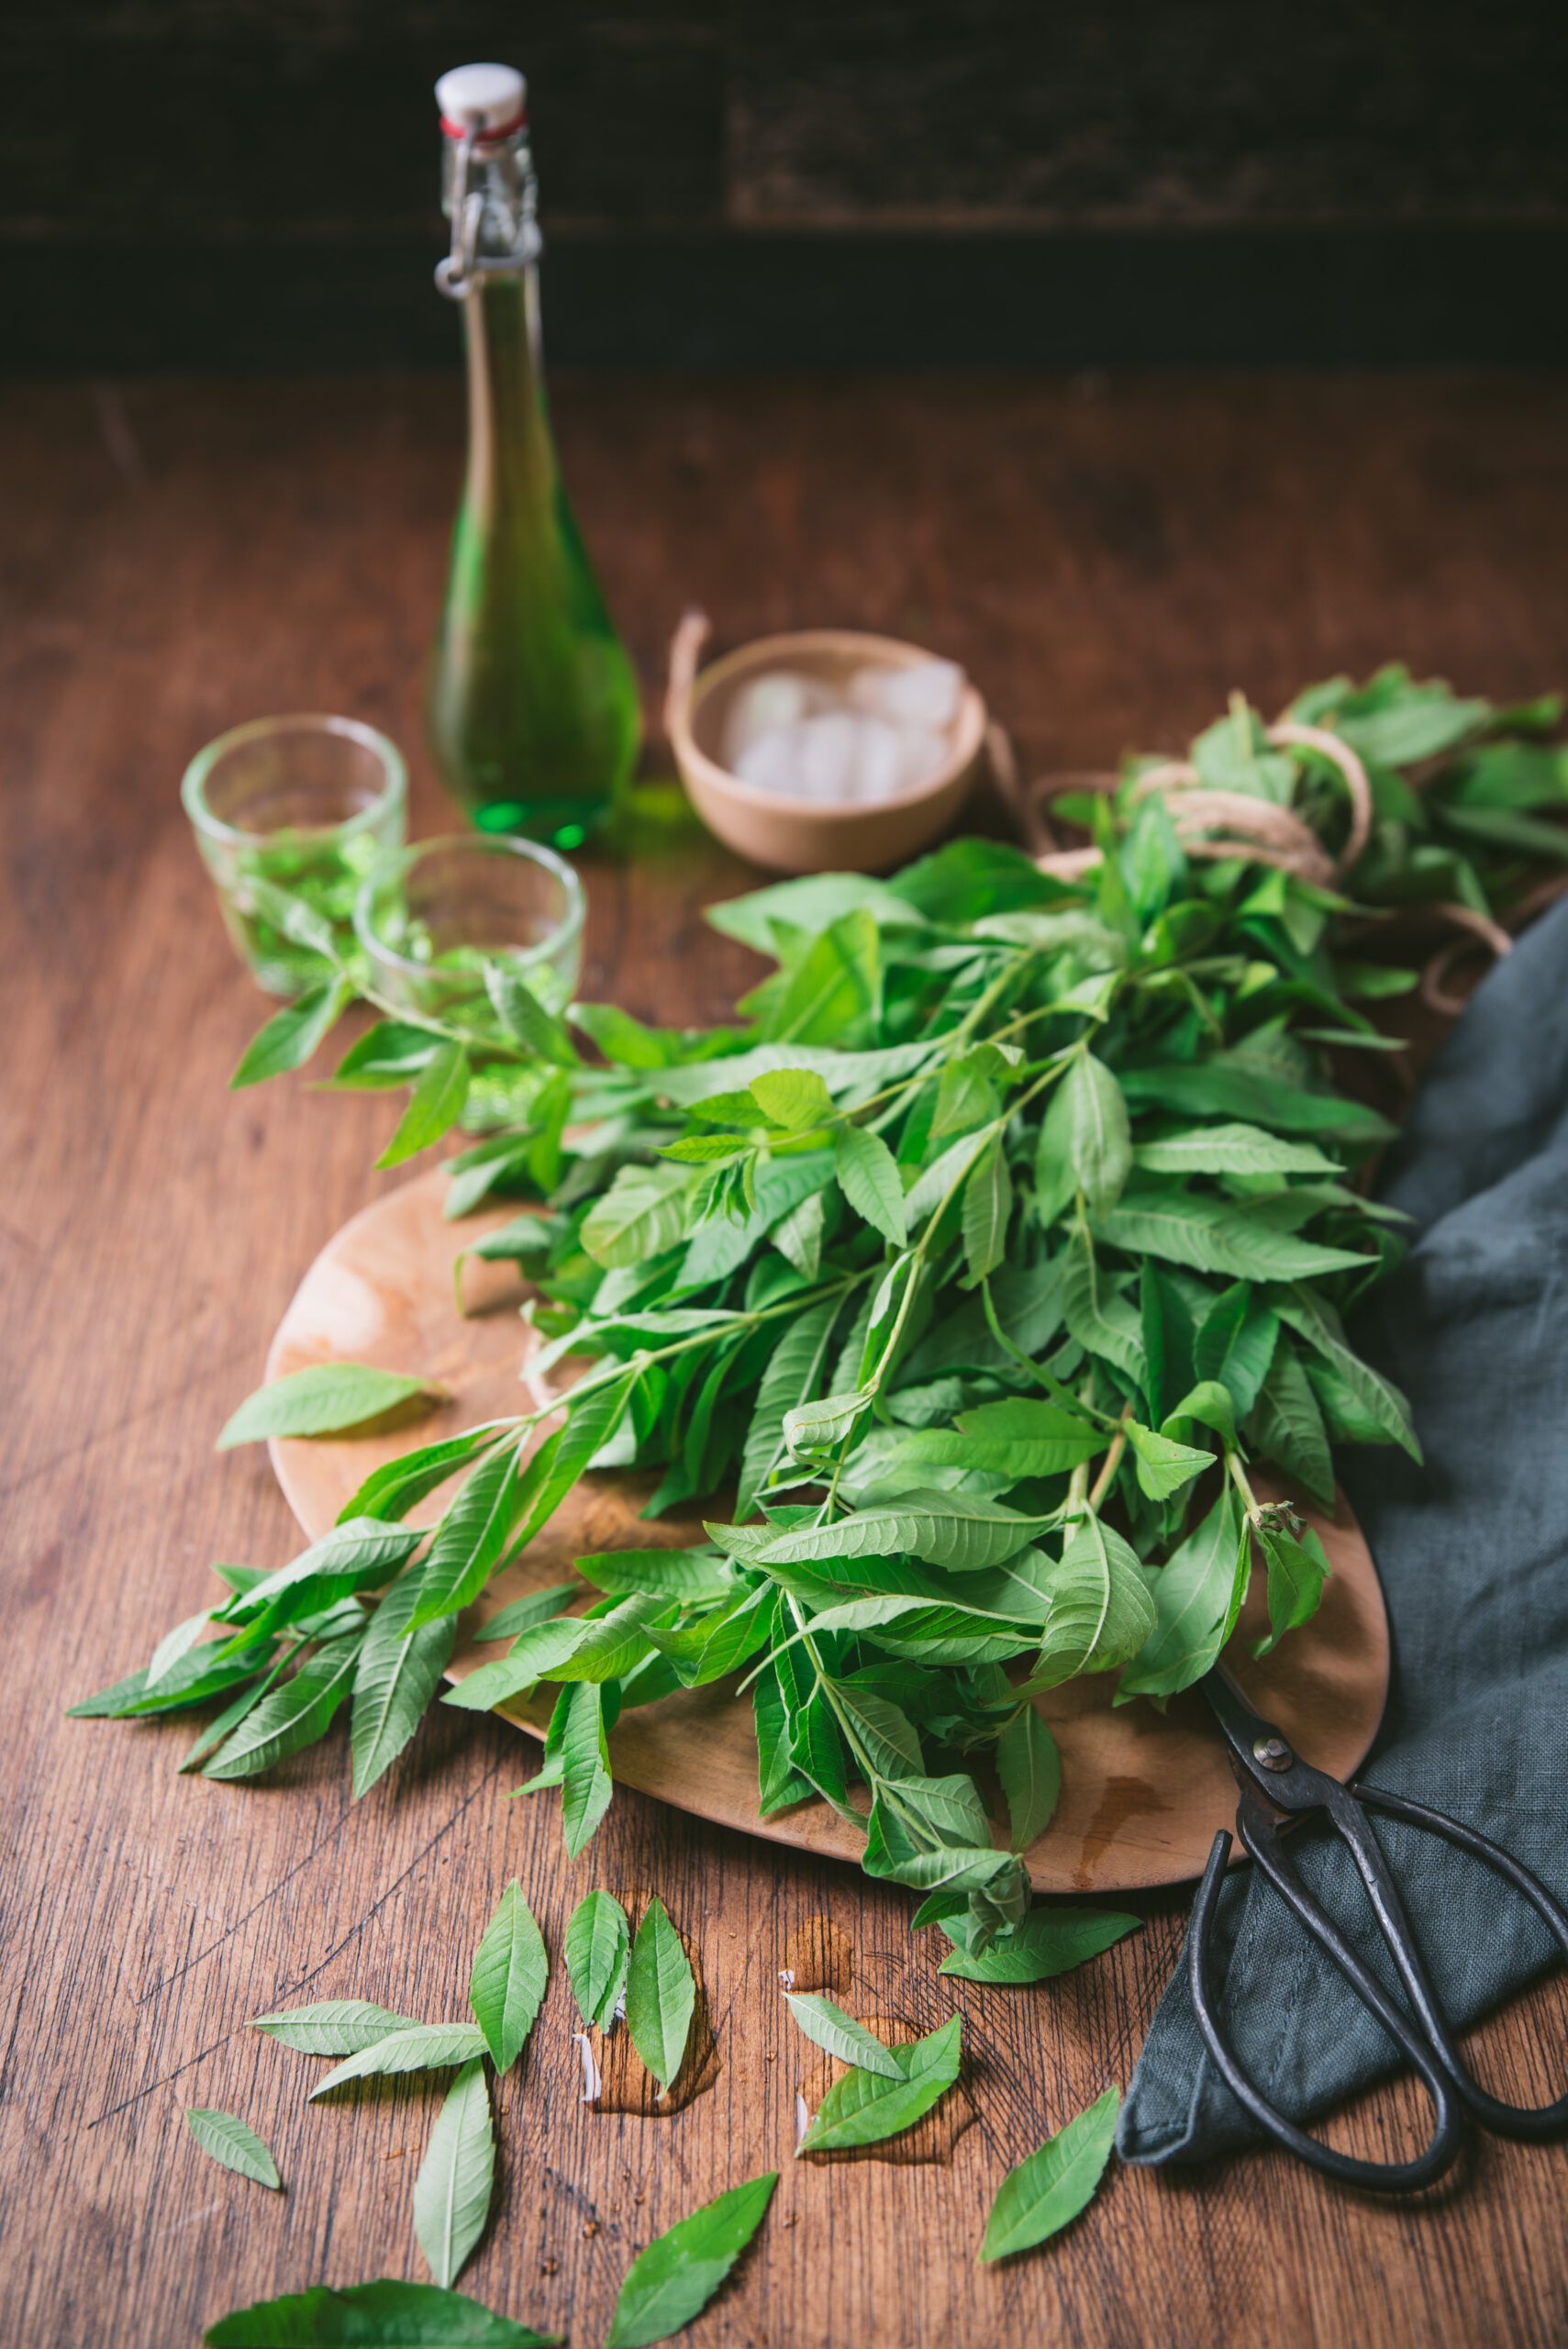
325	1398
399	1672
830	2028
234	2143
1045	2192
457	2176
510	1974
296	1713
862	2107
424	2047
660	1994
387	2314
332	2027
674	2280
1048	1942
435	1105
292	1035
1031	1770
598	1957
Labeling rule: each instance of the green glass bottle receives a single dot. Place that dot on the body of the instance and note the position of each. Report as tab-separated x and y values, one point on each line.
533	714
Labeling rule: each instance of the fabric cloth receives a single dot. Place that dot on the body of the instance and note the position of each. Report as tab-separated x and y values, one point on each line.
1472	1554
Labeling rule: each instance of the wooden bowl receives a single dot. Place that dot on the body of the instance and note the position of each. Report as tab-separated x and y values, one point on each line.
789	835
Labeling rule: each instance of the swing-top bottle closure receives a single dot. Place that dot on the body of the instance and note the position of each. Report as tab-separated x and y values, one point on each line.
488	191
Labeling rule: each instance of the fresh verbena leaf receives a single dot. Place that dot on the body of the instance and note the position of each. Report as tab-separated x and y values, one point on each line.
948	1530
829	2027
1046	2192
300	1710
457	2176
643	1212
539	1607
234	2143
863	2107
1197	1595
290	1036
868	1176
587	1784
387	2314
325	1398
398	1673
674	2280
508	1985
1030	1767
470	1540
435	1105
1048	1942
423	2047
660	1994
1101	1612
598	1957
333	2027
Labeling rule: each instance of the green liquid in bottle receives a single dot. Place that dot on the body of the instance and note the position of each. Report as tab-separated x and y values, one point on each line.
533	713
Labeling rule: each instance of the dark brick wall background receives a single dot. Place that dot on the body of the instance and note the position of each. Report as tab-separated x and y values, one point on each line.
252	183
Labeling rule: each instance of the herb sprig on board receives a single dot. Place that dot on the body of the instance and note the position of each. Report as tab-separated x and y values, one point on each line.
1008	1230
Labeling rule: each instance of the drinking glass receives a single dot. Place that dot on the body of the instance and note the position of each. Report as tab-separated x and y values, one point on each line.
430	917
303	804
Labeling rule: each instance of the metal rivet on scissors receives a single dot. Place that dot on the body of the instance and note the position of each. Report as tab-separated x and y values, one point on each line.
1277	1788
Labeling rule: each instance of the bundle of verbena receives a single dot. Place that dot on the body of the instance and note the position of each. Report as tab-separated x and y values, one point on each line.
984	1260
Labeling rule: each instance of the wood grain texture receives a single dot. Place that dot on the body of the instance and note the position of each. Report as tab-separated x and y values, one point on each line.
1110	562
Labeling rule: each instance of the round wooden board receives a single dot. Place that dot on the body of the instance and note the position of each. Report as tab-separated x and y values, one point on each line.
1142	1794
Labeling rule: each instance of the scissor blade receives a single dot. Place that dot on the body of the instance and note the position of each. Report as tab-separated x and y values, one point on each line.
1261	1756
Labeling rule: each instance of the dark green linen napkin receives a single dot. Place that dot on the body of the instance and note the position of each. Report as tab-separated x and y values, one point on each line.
1472	1554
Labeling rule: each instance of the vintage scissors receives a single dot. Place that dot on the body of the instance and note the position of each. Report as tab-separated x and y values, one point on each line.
1277	1789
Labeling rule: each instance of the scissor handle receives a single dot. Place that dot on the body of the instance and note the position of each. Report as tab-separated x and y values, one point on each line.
1532	2122
1261	1838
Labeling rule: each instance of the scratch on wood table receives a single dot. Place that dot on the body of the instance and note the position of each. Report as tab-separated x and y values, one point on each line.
285	550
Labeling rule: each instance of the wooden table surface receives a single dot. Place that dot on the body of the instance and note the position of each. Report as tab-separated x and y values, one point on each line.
1109	558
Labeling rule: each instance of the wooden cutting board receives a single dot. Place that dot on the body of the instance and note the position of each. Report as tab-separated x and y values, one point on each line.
1142	1794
